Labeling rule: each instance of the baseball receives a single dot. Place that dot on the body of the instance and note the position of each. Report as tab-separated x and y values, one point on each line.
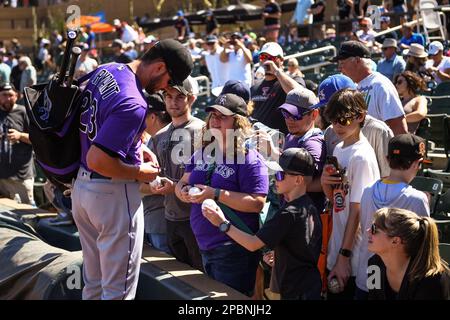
209	203
333	286
156	183
194	191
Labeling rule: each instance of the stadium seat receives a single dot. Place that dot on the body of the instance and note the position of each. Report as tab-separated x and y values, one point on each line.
443	205
444	251
443	89
435	131
429	185
441	175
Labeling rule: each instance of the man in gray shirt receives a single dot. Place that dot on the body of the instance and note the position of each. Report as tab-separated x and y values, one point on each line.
174	148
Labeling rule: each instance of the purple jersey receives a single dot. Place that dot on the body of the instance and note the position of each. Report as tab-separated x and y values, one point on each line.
113	113
250	177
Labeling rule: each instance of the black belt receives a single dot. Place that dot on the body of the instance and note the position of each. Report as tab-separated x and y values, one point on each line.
95	175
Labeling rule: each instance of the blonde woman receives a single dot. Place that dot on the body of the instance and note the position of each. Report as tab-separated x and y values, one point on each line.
406	264
234	176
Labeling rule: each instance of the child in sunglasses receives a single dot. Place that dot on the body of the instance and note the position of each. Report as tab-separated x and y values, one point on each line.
346	110
294	232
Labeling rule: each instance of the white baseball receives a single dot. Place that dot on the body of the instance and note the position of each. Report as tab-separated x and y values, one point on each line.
194	191
156	183
209	203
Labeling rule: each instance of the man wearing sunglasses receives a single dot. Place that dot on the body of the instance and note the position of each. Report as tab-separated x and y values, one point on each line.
299	113
405	156
380	94
270	93
294	233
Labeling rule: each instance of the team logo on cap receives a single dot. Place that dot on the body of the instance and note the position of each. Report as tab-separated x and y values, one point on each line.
422	149
322	94
222	100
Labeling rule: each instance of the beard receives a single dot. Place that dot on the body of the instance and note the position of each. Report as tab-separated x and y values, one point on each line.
155	84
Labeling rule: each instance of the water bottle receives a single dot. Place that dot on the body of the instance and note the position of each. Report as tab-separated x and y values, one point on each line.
17	198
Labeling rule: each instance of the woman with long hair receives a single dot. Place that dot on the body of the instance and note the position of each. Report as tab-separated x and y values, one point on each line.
406	264
225	170
408	85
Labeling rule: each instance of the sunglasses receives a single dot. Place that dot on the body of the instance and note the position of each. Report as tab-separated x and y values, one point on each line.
363	25
265	57
287	115
399	82
345	122
279	175
374	229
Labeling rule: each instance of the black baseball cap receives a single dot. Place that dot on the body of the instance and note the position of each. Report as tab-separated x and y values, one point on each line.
236	87
185	88
229	104
352	48
296	161
156	102
407	146
6	86
177	58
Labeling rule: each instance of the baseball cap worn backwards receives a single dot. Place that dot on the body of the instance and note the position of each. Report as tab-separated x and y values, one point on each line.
229	104
296	161
352	49
331	85
407	146
299	101
177	58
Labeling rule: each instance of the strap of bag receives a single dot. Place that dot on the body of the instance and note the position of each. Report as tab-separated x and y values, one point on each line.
228	212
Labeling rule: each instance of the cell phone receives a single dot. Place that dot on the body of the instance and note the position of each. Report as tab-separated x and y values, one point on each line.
333	161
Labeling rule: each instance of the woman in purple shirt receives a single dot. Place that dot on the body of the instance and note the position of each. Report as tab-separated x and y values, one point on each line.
235	177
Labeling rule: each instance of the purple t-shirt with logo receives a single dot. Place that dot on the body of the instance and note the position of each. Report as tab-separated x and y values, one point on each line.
113	113
249	177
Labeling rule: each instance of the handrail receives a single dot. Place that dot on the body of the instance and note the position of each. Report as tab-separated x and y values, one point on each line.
207	92
309	52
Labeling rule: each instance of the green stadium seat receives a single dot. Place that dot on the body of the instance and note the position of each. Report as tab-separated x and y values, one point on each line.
428	185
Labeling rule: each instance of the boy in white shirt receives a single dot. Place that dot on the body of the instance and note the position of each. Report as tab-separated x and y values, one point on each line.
357	168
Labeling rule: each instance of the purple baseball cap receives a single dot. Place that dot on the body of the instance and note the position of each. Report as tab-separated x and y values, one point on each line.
299	101
330	85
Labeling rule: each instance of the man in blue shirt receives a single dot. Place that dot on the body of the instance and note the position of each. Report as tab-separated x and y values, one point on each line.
410	37
392	64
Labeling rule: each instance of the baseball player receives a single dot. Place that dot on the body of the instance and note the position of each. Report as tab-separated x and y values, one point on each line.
106	202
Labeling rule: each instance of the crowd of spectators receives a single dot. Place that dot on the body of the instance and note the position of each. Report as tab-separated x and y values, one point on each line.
345	145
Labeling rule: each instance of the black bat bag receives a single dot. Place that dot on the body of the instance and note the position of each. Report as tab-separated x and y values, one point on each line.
54	113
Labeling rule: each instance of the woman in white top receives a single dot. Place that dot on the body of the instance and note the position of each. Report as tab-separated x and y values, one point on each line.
408	85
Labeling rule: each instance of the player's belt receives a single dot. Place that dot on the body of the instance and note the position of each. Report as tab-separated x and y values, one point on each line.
95	175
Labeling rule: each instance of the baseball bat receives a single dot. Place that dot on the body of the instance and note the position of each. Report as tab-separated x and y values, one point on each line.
76	51
71	36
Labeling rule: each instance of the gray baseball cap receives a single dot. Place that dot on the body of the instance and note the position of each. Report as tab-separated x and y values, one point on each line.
299	101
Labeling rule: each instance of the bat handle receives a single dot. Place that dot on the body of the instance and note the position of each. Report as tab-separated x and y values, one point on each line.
75	54
71	36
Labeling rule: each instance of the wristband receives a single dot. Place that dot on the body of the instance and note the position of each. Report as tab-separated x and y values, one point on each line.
216	194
